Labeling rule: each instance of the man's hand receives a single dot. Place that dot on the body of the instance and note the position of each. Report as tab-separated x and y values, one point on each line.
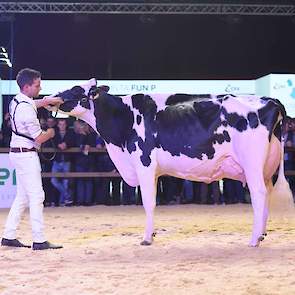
53	100
44	136
51	132
48	101
62	146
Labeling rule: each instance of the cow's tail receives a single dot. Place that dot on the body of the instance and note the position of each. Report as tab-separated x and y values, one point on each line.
281	198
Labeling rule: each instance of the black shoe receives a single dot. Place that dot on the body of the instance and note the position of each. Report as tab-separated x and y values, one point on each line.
45	245
13	243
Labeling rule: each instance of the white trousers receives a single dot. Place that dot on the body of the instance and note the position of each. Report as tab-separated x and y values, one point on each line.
29	192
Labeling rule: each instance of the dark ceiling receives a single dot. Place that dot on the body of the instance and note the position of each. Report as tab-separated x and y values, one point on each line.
150	47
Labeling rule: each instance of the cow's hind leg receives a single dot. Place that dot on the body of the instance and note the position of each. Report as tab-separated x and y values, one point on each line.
269	187
148	186
258	194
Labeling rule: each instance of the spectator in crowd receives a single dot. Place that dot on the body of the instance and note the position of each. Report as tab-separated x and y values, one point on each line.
207	193
6	130
1	139
128	194
51	123
83	162
289	155
172	190
51	193
43	123
107	189
233	191
63	139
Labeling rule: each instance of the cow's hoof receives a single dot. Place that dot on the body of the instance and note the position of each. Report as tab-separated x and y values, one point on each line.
145	243
254	243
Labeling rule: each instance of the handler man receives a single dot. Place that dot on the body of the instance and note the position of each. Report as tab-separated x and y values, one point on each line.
27	137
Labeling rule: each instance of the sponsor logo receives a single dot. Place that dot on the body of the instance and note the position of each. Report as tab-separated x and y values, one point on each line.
288	85
142	87
230	88
6	176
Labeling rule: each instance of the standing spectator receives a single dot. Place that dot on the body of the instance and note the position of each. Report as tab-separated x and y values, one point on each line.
207	193
107	189
50	191
51	123
1	139
83	162
63	139
289	155
128	194
233	191
6	130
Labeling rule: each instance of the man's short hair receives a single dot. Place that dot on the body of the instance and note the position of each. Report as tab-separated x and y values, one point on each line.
27	76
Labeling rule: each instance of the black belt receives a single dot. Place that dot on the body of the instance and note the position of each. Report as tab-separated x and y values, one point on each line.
22	150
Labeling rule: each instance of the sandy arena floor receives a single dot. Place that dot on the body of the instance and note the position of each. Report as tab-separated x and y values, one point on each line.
198	250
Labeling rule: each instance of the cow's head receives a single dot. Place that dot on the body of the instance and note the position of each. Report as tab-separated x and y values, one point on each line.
77	98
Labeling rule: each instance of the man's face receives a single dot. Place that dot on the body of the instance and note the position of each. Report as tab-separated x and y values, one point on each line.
34	89
62	125
51	122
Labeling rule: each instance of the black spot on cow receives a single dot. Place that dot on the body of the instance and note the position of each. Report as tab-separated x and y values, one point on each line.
181	98
138	119
114	121
235	120
72	97
148	109
226	136
220	138
224	97
189	129
268	116
253	120
206	112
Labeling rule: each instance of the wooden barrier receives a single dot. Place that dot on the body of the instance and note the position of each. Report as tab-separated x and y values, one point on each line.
100	174
72	174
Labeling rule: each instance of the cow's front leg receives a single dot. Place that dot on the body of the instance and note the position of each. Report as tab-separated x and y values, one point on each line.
148	187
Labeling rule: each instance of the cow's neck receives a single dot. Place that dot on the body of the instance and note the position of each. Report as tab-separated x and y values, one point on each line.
114	119
89	117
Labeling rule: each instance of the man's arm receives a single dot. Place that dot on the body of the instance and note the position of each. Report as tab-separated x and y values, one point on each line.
47	101
44	136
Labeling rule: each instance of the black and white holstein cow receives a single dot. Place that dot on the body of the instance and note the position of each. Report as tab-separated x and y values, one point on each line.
196	137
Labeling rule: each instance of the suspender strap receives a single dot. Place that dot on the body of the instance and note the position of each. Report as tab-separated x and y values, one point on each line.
12	118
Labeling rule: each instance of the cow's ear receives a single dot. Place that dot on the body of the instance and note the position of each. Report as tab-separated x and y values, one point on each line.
103	88
77	90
